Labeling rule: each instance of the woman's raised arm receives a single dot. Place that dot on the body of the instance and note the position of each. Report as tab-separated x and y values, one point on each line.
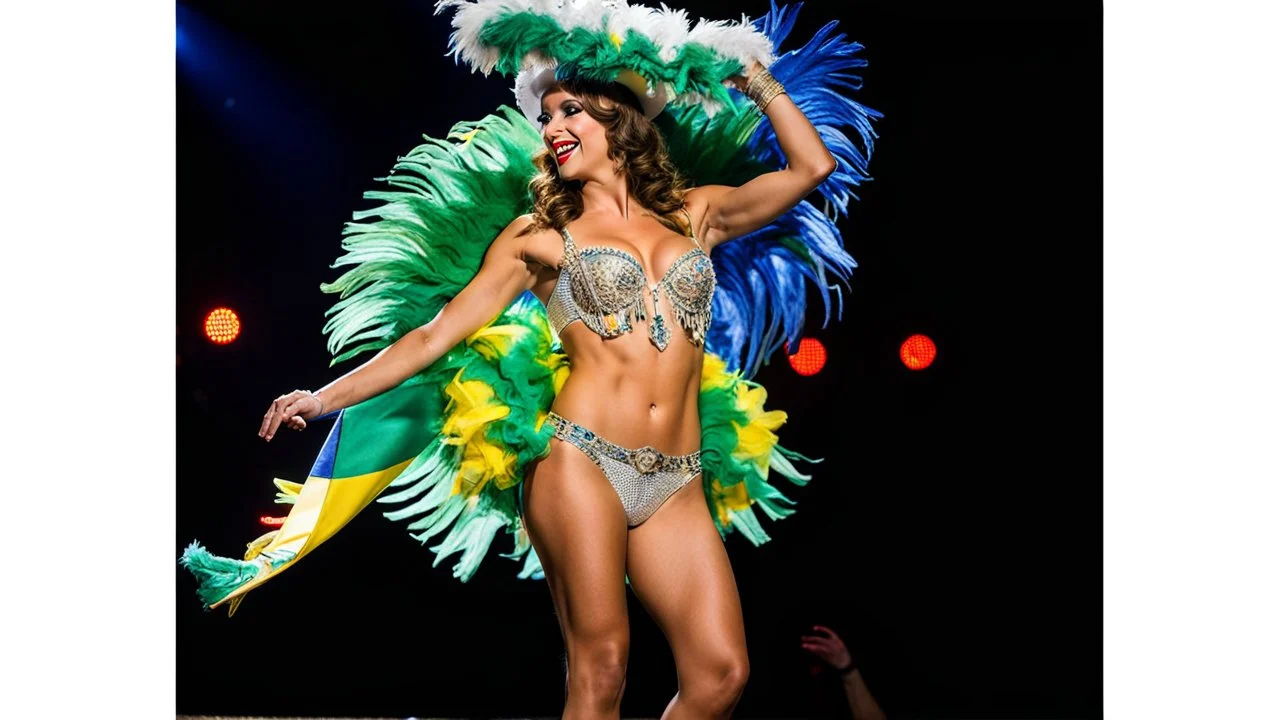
726	212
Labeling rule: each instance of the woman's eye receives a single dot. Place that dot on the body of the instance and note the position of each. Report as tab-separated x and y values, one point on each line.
543	119
572	110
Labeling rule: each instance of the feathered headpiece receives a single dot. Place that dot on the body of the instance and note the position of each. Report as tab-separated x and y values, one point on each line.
652	51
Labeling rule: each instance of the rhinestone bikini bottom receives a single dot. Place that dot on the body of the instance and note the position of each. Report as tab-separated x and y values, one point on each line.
643	478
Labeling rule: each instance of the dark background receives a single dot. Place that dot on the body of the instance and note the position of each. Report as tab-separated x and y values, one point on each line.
953	534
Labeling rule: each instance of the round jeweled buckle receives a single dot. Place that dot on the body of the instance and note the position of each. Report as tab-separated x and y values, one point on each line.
646	459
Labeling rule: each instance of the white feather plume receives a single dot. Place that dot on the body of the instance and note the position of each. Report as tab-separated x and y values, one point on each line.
469	18
737	40
667	27
587	14
669	31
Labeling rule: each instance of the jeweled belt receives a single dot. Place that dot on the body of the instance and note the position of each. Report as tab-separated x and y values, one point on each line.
645	460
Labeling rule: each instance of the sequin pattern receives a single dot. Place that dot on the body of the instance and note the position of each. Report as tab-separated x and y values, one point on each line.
689	286
605	288
643	479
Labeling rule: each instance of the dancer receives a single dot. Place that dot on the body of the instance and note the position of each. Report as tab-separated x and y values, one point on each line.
566	301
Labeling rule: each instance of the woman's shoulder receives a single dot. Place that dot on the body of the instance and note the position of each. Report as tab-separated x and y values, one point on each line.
540	244
525	227
697	200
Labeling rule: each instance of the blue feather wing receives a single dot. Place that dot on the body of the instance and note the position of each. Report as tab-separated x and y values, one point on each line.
759	305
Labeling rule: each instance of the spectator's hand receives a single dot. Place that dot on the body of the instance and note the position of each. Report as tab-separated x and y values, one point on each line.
828	646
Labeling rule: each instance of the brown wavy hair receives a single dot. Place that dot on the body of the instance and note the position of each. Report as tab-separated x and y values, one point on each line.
635	146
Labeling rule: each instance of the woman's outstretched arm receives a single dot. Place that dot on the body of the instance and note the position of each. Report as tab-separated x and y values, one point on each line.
505	273
724	212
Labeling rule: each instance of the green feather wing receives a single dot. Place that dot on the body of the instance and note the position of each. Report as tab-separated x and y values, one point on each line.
423	243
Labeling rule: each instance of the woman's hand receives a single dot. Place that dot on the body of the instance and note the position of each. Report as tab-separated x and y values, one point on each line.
292	410
740	81
828	646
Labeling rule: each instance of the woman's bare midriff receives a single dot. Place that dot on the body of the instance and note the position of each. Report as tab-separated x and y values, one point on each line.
631	394
623	388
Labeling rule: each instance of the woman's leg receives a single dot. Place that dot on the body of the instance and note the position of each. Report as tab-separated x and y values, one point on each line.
680	571
579	531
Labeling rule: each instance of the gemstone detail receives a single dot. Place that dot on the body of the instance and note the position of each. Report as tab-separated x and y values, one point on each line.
659	335
645	459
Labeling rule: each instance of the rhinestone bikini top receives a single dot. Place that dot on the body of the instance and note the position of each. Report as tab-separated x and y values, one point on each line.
605	288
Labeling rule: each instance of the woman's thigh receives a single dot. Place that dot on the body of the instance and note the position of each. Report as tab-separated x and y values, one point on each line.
681	573
579	531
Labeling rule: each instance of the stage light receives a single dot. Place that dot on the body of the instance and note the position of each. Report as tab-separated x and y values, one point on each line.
222	326
271	521
809	358
918	352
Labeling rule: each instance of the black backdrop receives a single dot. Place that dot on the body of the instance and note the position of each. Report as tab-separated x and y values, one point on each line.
953	534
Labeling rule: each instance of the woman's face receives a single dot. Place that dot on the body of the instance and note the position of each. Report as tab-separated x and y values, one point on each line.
576	140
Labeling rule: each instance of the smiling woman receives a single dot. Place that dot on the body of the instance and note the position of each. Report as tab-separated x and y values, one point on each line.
504	285
594	130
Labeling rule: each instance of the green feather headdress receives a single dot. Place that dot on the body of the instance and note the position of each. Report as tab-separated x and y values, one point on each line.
605	40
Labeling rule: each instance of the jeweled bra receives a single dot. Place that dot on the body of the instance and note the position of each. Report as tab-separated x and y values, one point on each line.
605	288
